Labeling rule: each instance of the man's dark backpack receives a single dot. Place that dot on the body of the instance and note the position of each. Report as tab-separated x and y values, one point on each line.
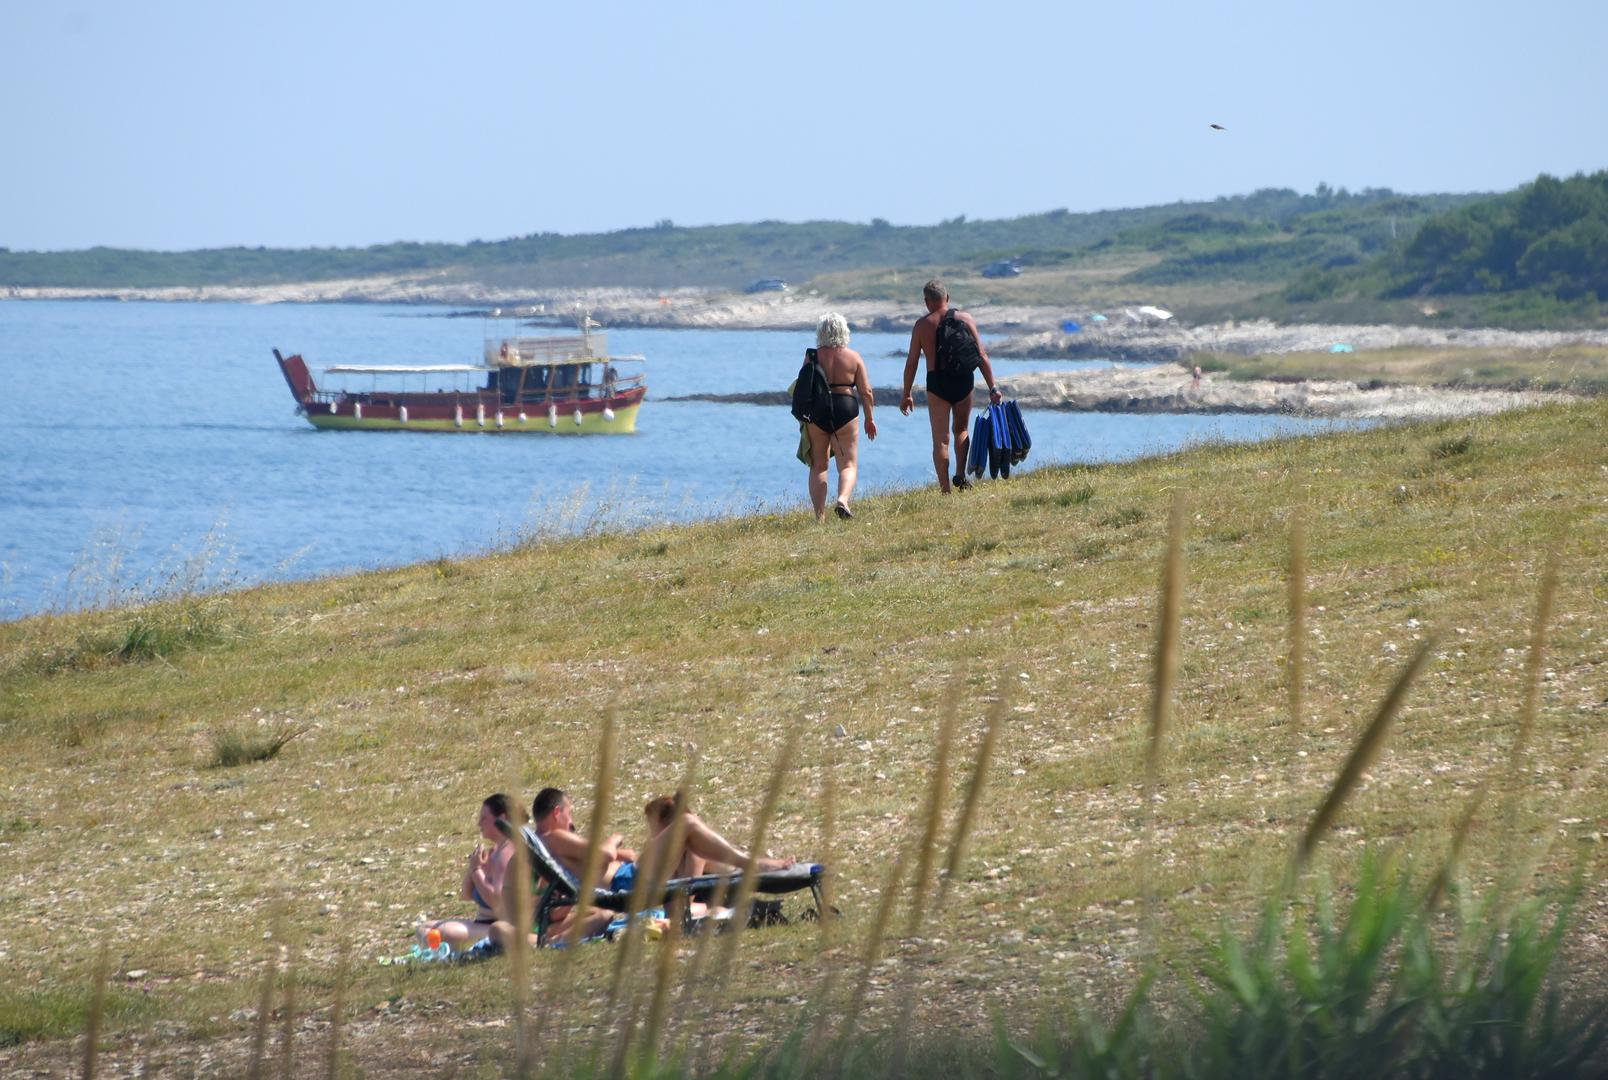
811	396
957	345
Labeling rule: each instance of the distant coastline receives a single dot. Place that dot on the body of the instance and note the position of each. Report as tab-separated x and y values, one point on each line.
1018	331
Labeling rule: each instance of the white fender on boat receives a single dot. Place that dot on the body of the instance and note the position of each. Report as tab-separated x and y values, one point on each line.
404	414
522	417
457	415
552	416
357	410
480	415
499	418
333	407
577	418
608	416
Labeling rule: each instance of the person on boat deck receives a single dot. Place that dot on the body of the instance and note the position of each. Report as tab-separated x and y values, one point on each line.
839	431
482	880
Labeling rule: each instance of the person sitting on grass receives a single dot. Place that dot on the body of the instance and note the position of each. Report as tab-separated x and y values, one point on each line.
482	881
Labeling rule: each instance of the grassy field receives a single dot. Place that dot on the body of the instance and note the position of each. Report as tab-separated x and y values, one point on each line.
1091	283
1577	368
412	693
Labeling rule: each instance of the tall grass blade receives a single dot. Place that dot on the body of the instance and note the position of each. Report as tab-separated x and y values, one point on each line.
873	947
1163	679
663	976
265	999
821	1006
337	1012
933	815
1297	597
287	1027
97	1010
1362	755
1534	663
1443	877
591	872
974	792
735	929
519	910
656	871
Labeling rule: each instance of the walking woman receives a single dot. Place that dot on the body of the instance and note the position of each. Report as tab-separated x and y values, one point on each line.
839	433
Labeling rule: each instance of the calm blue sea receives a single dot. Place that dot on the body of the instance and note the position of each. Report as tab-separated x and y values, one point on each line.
147	445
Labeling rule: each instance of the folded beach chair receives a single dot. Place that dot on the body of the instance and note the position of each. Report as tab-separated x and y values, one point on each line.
562	887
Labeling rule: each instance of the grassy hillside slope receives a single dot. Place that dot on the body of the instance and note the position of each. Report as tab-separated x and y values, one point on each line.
422	689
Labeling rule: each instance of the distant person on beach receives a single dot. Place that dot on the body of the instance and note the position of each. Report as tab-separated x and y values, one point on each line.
482	880
941	335
840	431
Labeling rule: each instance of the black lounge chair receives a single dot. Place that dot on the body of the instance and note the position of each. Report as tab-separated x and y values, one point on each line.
562	887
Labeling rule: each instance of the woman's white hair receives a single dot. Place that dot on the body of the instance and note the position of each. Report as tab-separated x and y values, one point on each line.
834	330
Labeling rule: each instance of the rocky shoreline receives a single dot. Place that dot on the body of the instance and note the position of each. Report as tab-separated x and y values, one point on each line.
1168	388
1010	330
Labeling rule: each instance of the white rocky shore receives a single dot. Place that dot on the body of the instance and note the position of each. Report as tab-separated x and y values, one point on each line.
1016	331
1169	388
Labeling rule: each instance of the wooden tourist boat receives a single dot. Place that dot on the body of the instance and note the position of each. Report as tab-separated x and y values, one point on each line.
554	385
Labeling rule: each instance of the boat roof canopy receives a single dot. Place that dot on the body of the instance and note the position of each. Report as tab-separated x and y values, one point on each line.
404	369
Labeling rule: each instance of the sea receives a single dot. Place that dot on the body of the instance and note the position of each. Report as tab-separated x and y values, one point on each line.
153	448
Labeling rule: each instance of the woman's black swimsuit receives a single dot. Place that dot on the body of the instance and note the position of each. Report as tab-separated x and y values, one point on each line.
952	386
845	408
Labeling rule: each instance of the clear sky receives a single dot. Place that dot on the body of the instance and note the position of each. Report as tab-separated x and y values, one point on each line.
172	124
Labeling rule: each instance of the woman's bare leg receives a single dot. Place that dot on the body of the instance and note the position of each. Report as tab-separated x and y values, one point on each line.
710	845
459	933
847	443
820	443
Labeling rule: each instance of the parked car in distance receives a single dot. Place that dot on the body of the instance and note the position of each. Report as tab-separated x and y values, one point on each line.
1002	268
767	284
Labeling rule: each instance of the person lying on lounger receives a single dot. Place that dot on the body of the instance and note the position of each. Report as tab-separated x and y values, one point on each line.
553	814
482	880
703	850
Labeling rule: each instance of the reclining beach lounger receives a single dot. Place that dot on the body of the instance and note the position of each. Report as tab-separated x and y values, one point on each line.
562	887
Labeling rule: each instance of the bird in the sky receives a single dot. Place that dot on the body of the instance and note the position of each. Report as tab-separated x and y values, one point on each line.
1218	127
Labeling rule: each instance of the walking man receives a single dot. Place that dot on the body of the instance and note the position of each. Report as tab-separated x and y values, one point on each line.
949	340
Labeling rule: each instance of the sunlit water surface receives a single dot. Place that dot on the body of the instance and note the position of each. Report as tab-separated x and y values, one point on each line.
146	445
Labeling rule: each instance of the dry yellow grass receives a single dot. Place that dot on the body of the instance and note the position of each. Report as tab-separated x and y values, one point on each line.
425	688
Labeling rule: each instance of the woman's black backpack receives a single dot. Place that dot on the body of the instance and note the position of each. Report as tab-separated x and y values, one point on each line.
957	345
811	396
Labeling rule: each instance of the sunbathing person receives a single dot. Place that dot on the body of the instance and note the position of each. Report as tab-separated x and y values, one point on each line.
482	881
554	815
703	850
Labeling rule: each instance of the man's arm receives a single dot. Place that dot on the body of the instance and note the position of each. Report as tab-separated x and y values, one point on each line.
983	364
571	846
862	380
906	401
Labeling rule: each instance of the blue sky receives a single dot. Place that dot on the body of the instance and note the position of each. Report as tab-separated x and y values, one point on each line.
173	125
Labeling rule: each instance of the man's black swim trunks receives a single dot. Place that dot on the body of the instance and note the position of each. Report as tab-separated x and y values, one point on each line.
952	386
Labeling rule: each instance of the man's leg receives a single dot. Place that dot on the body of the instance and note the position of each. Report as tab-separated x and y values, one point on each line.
938	416
962	428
